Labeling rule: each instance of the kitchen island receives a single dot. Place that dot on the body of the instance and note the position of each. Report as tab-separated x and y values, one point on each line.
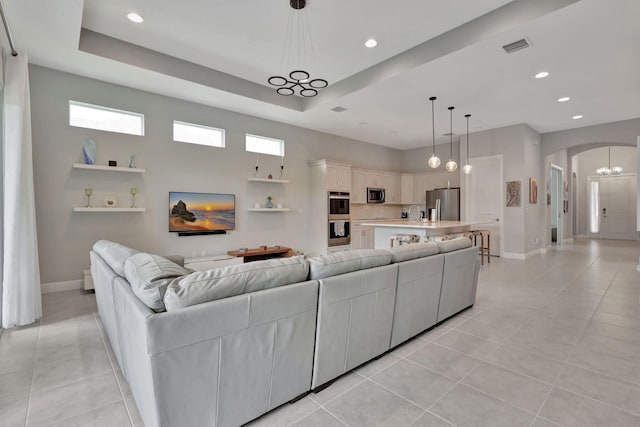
431	230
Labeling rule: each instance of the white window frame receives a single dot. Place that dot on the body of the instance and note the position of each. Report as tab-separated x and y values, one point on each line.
195	125
132	114
265	139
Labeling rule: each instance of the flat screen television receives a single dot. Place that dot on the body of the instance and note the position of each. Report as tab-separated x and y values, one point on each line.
201	213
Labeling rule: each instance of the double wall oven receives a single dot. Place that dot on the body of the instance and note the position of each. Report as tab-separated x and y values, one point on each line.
339	219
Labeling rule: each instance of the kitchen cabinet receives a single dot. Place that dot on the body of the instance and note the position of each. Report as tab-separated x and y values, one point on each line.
338	178
375	179
358	186
362	237
406	188
420	188
392	186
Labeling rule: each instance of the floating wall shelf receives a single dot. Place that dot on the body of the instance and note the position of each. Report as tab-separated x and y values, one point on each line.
108	168
275	181
109	209
269	210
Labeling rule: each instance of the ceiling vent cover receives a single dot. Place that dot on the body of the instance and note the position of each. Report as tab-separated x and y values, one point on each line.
338	109
517	45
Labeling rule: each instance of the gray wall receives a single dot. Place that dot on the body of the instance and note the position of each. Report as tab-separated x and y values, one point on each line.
64	237
587	162
520	148
415	161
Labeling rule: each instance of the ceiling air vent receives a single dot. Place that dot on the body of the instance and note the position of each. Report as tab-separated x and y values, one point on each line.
517	45
338	109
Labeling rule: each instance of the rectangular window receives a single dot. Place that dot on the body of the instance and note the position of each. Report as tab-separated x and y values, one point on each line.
104	118
198	134
594	207
264	145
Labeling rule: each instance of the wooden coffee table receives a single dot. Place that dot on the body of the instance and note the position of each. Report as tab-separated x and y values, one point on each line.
261	253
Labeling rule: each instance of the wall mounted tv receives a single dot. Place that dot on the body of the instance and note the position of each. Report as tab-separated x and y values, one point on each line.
201	213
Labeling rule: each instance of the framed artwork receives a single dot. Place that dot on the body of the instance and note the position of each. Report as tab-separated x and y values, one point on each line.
513	194
533	191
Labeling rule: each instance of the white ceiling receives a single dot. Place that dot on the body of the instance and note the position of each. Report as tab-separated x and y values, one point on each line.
588	47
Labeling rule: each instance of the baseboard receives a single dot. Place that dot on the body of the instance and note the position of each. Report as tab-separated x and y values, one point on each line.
513	255
544	250
535	252
69	285
569	240
581	236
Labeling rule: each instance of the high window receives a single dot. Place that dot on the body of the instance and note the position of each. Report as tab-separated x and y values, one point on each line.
264	145
105	118
198	134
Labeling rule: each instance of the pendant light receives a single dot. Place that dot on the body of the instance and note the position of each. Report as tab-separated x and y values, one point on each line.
616	170
297	41
451	164
434	160
466	169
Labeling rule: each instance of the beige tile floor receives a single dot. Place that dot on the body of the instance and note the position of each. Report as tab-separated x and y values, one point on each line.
553	340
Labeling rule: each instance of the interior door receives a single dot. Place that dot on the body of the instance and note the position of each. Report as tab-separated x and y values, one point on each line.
484	197
618	207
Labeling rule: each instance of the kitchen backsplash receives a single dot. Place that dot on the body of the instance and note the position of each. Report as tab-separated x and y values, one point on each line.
373	211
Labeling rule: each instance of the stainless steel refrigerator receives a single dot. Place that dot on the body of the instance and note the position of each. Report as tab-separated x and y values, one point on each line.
449	203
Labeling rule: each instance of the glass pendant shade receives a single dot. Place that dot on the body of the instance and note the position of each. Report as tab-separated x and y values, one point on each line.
434	160
466	169
451	165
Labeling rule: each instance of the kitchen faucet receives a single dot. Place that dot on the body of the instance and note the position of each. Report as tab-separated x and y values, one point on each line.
418	212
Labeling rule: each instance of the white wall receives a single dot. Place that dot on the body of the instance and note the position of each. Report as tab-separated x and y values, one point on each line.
415	161
65	238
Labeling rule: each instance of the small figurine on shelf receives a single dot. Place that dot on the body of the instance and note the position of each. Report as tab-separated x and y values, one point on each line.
269	203
270	176
133	192
132	161
281	171
88	192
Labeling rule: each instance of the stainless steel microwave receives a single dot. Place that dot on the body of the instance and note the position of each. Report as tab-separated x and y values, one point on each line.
375	195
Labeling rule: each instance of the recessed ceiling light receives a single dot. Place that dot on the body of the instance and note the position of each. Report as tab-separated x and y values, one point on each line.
371	43
564	99
134	17
542	75
579	116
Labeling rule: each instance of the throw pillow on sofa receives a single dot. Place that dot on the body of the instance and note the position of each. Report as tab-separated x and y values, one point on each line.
149	276
347	261
413	251
205	286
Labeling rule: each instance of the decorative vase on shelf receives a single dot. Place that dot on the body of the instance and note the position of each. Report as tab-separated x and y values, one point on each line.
132	161
269	202
89	152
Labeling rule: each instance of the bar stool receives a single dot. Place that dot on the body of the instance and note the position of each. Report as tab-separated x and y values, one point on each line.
484	249
404	238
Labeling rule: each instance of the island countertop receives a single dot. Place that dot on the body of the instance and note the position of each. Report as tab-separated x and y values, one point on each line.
411	223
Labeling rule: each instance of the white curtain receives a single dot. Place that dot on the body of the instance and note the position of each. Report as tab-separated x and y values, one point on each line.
21	295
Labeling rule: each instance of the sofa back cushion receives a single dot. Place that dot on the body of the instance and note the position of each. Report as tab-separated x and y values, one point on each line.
114	254
454	244
204	286
413	251
149	276
346	262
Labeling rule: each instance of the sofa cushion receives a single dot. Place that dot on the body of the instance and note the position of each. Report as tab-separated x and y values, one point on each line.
347	261
204	286
114	254
454	244
413	251
149	276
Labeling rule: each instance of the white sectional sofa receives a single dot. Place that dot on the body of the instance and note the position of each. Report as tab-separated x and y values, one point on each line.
222	347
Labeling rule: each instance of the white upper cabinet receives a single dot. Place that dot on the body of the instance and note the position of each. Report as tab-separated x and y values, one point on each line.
406	188
358	186
338	178
375	179
393	188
